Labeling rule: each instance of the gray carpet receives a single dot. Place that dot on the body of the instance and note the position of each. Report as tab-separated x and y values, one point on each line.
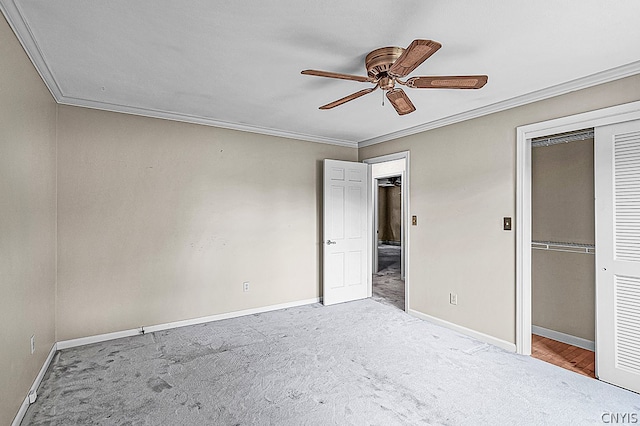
357	363
388	286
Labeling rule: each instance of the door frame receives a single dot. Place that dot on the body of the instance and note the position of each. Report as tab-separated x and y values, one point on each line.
611	115
372	214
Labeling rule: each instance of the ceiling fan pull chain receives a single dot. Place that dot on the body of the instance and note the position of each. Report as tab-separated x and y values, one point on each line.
382	97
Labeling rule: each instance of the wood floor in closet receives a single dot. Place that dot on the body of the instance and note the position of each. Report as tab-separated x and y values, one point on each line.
563	355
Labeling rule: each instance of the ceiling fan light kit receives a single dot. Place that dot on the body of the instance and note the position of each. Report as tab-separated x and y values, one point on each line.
385	67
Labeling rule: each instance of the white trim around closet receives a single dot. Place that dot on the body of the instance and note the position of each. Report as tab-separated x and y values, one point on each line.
601	117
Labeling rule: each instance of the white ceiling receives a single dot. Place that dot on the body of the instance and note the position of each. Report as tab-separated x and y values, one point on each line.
237	64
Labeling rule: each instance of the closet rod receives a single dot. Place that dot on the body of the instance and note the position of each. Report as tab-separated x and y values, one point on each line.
564	247
579	135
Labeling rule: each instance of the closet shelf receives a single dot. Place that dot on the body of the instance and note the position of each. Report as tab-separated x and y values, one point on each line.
565	247
579	135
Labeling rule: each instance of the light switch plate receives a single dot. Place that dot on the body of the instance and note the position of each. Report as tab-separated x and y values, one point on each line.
453	298
506	223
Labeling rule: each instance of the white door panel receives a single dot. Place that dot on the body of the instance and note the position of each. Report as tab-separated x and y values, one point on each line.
617	184
345	237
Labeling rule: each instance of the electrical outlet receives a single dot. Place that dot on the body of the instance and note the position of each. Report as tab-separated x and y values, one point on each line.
33	344
453	298
245	286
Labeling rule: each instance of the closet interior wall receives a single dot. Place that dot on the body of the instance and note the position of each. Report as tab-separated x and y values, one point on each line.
563	274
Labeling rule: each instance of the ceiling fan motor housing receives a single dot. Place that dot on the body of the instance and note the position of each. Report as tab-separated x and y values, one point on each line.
380	60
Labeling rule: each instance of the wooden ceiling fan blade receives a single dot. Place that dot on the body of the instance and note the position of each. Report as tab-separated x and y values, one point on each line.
348	98
417	52
336	75
448	82
400	101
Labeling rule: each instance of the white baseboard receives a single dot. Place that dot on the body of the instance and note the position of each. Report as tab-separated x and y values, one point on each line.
72	343
66	344
228	315
34	387
508	346
564	338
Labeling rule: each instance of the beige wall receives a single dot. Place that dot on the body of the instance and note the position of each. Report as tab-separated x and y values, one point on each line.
162	221
383	220
563	284
462	184
27	222
389	213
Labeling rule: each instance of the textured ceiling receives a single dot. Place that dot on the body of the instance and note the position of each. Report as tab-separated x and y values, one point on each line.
237	64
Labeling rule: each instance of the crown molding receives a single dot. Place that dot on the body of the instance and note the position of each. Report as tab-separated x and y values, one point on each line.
23	33
539	95
194	119
21	29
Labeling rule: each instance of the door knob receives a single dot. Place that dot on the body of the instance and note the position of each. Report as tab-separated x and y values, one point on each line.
329	242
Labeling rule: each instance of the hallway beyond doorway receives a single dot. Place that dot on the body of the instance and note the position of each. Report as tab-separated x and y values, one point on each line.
388	286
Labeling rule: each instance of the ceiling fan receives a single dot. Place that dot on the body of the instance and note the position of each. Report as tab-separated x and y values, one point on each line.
385	67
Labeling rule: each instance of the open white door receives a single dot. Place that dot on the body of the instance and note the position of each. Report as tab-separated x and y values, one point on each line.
617	190
345	237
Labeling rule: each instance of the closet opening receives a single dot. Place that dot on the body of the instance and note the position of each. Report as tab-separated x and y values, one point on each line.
563	250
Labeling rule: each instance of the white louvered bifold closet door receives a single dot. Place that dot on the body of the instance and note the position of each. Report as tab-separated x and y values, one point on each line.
617	184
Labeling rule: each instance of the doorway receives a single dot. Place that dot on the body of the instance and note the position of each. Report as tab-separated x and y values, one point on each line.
389	207
387	281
